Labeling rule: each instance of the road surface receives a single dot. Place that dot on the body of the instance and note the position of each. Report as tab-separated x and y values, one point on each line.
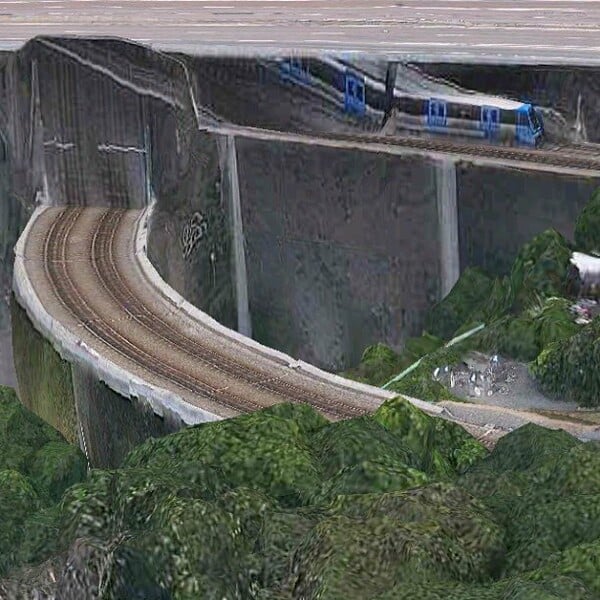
500	31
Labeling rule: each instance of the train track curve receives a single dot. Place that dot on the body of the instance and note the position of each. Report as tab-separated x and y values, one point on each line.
81	262
83	266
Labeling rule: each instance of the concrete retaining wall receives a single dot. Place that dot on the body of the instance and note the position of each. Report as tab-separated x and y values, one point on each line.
501	209
343	247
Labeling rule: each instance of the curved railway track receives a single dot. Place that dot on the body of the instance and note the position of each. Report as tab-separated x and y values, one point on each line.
158	329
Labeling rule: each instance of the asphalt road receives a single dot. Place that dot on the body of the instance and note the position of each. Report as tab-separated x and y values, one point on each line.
528	31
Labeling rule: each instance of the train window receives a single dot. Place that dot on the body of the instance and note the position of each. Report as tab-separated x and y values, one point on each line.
490	118
508	117
295	69
354	96
360	92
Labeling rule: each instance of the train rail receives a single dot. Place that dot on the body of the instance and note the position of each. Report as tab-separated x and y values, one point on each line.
578	157
81	263
245	383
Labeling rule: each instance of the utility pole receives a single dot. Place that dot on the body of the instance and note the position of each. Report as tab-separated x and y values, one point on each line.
390	82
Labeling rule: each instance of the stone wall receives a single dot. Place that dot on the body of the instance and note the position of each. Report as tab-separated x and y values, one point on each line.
44	378
127	422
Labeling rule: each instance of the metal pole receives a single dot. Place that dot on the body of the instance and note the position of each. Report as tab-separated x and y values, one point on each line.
390	83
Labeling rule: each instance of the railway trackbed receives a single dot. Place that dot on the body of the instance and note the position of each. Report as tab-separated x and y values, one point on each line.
86	256
85	270
578	157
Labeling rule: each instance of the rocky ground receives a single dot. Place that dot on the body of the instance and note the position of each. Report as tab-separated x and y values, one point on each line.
506	383
511	398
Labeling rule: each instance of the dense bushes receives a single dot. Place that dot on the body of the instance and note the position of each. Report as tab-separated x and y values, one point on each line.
466	297
36	467
283	504
570	367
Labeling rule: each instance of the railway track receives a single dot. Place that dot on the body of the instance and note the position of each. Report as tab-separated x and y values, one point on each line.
68	244
569	156
158	329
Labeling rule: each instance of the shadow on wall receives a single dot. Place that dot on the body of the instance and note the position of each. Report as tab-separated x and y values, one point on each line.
500	210
342	247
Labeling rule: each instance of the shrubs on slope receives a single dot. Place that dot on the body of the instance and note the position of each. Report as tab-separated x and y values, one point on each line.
283	504
541	269
466	297
36	466
570	367
442	448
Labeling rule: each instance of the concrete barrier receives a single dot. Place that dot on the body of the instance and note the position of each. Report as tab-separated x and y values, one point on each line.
200	316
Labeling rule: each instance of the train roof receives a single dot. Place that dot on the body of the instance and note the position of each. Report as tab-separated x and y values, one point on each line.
471	99
448	95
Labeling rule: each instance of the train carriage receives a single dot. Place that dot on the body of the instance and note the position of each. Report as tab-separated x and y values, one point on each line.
496	119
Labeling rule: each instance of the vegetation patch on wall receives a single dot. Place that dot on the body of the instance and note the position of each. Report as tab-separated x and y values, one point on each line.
45	385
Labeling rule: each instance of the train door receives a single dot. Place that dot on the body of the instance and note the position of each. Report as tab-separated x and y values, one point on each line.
490	120
354	94
436	113
523	131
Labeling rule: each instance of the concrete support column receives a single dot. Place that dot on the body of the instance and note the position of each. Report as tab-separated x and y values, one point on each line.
447	208
239	255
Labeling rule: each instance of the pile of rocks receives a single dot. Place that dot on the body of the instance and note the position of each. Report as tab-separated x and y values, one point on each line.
478	376
585	309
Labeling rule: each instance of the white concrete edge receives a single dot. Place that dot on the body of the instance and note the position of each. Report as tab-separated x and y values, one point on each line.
72	349
162	402
141	237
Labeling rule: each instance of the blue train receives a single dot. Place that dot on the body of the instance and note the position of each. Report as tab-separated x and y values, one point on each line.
495	119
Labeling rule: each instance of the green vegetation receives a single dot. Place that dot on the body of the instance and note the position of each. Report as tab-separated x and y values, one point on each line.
569	367
36	466
48	391
587	227
283	504
527	317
